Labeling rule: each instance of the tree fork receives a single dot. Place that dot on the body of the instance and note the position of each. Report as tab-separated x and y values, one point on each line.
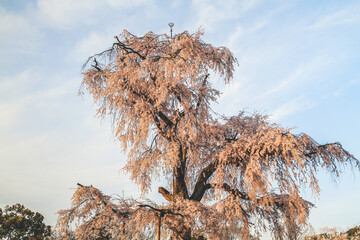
180	188
201	185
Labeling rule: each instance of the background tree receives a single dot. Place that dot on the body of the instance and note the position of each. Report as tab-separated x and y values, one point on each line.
226	175
18	222
334	234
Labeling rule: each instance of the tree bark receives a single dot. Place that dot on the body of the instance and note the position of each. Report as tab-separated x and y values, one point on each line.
180	188
187	235
166	194
201	183
158	230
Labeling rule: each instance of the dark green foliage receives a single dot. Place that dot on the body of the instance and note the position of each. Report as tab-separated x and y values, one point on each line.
18	222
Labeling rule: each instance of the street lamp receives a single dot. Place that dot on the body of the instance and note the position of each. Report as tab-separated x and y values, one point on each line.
171	26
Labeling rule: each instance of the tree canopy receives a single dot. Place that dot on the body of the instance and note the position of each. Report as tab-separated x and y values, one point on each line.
18	222
227	175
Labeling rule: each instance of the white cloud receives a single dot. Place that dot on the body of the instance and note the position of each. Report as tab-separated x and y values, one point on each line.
44	151
17	95
59	89
67	14
12	85
90	45
291	107
47	166
124	3
18	34
245	30
11	90
299	76
241	31
211	14
8	114
344	16
19	88
342	89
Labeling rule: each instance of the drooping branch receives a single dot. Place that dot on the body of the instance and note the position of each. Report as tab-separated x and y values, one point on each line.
235	192
321	148
97	214
282	202
104	202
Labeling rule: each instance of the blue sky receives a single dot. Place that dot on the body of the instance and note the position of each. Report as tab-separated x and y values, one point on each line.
299	61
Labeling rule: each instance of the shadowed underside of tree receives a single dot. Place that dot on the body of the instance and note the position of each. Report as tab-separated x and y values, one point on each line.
232	175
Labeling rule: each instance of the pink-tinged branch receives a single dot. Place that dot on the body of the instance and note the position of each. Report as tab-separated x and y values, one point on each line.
166	194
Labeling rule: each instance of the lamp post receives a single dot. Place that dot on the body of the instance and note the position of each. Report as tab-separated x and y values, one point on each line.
171	26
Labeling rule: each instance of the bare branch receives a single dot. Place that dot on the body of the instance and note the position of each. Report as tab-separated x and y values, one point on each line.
127	49
166	194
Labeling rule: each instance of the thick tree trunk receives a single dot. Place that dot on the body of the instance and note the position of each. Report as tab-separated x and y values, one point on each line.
180	188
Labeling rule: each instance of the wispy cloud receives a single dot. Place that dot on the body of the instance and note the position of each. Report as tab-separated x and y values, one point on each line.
21	89
38	166
17	95
8	114
243	31
91	44
68	14
348	15
18	34
41	151
212	14
291	107
13	86
340	91
300	75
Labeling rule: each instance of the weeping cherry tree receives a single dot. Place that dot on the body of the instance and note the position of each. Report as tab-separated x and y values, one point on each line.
227	176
